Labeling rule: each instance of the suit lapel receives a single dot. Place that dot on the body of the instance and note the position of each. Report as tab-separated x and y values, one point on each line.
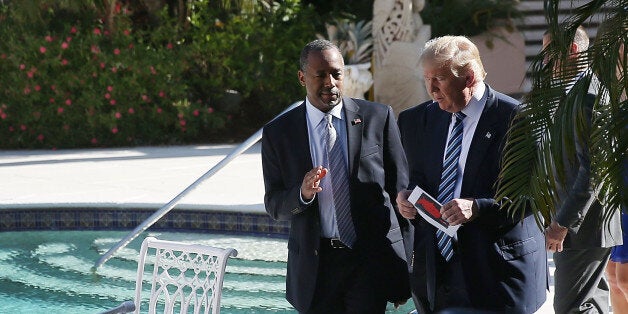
354	134
483	138
300	138
437	129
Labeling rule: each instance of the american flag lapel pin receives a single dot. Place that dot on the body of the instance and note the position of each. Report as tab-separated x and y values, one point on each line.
356	121
488	135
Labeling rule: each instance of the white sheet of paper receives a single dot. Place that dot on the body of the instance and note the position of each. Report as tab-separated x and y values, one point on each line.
414	198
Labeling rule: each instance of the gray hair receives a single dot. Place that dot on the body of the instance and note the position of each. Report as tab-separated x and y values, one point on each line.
580	37
316	45
458	52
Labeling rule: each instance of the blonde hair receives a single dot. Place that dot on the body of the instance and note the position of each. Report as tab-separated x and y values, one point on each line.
458	52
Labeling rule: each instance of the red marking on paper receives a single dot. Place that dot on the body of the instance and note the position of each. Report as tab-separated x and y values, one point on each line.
429	207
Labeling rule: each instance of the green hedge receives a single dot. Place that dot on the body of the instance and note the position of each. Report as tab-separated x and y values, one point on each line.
469	17
69	81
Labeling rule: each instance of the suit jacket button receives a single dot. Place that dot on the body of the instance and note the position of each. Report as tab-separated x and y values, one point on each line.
316	252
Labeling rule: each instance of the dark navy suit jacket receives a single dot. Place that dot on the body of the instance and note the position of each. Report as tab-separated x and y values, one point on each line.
378	170
504	261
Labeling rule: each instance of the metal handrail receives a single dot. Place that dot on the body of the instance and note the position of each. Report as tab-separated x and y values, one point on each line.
170	205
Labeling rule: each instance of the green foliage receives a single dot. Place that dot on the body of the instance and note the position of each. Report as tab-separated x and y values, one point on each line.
354	10
469	17
552	118
80	85
255	54
69	81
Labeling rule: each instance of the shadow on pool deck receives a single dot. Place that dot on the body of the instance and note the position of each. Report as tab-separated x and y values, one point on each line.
33	157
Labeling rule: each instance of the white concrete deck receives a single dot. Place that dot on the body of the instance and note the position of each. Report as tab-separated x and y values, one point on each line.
135	177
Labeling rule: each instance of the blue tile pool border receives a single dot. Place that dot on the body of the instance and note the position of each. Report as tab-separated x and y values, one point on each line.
127	219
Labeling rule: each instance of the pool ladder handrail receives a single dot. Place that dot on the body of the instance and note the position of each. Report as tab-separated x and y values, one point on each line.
152	219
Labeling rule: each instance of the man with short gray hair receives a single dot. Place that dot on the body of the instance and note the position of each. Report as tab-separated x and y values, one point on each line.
332	167
580	242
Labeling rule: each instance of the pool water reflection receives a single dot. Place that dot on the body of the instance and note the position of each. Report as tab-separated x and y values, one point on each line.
49	271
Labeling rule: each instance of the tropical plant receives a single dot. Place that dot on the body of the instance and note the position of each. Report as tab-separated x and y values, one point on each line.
353	38
545	126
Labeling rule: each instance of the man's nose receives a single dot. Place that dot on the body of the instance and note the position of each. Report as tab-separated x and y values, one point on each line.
329	81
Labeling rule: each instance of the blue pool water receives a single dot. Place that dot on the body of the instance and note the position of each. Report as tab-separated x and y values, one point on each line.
49	272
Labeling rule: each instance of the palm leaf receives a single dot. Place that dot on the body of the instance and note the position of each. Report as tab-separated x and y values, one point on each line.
551	120
354	39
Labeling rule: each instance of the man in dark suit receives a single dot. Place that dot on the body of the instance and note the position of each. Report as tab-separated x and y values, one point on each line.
582	244
331	167
453	145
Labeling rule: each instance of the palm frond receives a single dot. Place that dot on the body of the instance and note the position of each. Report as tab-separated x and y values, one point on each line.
552	118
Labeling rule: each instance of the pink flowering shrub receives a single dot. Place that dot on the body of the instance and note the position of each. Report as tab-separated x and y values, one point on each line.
83	86
73	77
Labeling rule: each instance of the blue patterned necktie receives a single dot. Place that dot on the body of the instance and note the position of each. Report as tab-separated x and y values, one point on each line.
448	181
339	183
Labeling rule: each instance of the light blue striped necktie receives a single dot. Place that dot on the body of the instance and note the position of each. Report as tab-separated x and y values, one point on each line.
339	184
448	181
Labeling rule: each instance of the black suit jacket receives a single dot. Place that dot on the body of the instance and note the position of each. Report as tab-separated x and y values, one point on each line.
577	206
378	170
504	262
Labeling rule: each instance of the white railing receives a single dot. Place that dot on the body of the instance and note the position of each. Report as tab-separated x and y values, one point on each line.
170	205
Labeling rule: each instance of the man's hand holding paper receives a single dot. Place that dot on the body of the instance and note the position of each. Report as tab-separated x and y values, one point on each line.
406	209
447	218
459	211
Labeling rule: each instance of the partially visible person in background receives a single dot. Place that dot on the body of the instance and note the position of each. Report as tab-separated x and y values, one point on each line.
617	268
581	243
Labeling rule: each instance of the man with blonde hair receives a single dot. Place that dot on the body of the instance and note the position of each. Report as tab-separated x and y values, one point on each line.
453	145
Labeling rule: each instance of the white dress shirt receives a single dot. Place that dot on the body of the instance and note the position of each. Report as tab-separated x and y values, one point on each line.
473	110
316	129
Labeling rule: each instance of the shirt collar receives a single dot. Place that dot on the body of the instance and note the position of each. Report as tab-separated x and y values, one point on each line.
315	116
476	105
574	80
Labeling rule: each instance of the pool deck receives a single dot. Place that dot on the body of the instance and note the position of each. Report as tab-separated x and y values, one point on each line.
140	177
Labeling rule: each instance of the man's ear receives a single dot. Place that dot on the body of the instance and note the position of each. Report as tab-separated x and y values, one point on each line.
301	76
573	48
469	79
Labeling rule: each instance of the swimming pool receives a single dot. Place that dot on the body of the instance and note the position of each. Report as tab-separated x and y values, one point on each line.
49	272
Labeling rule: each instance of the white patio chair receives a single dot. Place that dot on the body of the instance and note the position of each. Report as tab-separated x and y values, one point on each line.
187	276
